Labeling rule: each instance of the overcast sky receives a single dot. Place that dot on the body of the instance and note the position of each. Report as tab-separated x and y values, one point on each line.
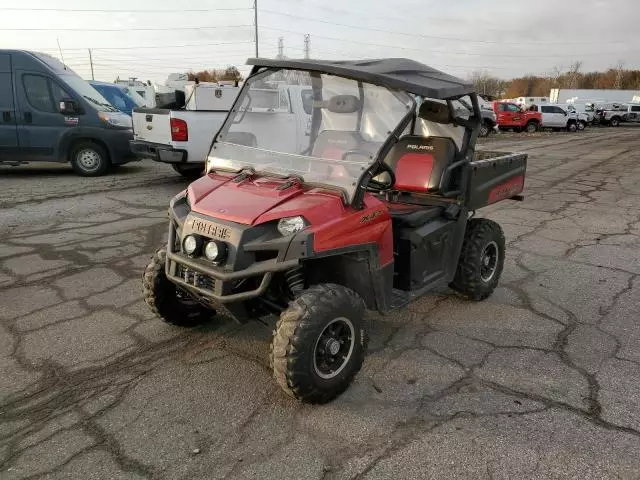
504	37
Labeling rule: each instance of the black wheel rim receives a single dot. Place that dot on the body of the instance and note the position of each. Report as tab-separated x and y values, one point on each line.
334	348
489	262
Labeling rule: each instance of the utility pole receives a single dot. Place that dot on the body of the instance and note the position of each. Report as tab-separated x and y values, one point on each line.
280	48
255	23
91	62
307	45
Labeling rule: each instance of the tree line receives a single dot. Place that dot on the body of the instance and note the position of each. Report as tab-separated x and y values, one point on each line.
217	75
616	77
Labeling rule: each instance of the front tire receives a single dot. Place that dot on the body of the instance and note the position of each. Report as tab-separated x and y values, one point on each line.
615	122
532	127
89	159
572	127
581	126
481	260
485	129
166	301
319	343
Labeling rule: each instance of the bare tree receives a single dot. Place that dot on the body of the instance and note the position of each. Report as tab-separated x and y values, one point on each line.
574	74
619	73
486	84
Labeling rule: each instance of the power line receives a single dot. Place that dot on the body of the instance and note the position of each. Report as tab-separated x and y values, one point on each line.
117	56
87	10
130	29
447	52
149	46
386	17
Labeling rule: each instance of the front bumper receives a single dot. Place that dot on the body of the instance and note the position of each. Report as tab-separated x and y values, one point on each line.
216	283
117	141
158	152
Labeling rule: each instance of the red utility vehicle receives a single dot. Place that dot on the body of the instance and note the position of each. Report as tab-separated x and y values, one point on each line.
376	210
512	116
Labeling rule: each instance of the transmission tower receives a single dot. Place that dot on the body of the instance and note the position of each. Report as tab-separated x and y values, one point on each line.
307	45
280	48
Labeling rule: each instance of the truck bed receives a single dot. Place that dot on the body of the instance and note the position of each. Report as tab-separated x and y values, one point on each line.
495	176
153	126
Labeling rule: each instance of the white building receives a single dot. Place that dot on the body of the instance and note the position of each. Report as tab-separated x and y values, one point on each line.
566	95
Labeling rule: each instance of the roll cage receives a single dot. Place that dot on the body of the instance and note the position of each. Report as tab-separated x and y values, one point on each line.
418	80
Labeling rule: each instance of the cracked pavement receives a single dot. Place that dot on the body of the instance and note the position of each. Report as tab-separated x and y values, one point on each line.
539	381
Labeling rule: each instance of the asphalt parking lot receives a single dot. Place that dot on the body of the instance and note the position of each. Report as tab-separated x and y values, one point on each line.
540	381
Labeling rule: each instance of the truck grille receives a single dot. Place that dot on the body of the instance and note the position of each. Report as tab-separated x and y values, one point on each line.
196	279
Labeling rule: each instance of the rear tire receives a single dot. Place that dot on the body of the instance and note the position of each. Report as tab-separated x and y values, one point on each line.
481	260
572	127
89	159
615	122
164	298
485	129
581	126
188	171
532	127
319	343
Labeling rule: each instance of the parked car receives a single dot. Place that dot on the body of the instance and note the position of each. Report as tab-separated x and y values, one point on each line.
612	114
511	116
556	117
51	114
633	114
183	138
584	110
122	97
489	119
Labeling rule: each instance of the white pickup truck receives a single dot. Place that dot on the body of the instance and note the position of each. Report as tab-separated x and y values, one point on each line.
183	137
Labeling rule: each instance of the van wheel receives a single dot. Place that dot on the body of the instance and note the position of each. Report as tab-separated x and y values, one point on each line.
89	159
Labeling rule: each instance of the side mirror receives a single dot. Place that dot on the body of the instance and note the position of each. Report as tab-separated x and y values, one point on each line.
68	106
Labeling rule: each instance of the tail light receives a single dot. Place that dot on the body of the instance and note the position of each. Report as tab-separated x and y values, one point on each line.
179	130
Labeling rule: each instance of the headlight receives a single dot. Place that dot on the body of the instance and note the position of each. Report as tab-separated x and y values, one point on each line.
215	251
190	244
291	225
116	119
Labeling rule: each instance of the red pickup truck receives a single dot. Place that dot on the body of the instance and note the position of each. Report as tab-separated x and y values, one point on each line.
509	115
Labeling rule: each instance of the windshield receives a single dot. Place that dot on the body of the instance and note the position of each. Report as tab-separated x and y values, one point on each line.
120	97
328	139
138	100
89	93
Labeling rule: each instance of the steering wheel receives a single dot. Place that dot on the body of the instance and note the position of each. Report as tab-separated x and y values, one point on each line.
374	184
377	186
363	153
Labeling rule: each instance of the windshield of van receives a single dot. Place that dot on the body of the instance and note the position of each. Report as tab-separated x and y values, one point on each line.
86	91
331	143
135	96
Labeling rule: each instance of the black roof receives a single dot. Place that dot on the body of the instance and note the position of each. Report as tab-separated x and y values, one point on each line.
398	73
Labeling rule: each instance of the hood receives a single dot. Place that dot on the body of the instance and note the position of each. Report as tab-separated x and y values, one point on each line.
258	199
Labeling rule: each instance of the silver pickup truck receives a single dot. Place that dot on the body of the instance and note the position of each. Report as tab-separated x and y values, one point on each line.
183	138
